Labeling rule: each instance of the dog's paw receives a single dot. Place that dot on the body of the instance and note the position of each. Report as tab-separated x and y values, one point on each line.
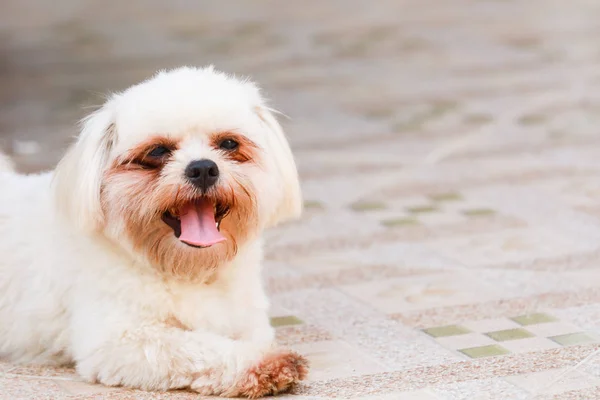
276	373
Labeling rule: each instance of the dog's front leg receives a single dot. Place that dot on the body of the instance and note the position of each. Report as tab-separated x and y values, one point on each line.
163	358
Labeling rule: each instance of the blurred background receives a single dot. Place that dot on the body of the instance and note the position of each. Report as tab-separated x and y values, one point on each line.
348	72
449	152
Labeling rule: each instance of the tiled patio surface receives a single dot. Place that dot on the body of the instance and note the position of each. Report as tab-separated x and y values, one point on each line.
450	158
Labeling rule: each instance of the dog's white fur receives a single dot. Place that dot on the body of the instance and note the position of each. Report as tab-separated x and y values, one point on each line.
75	289
5	163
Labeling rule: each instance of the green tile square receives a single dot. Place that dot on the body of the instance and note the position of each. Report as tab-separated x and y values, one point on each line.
532	119
422	209
572	339
284	321
368	206
510	334
450	196
479	212
484	351
394	222
448	330
312	204
533	319
478	118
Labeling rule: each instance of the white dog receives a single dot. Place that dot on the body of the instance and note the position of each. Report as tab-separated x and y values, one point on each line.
138	259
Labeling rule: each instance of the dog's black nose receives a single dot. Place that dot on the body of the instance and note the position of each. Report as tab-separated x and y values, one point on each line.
203	173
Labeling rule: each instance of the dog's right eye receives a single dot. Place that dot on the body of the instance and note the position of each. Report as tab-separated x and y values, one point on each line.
159	151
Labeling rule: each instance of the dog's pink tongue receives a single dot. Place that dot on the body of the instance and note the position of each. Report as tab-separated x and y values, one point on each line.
198	225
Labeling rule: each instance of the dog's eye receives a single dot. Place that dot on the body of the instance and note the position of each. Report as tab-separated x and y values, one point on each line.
159	151
228	144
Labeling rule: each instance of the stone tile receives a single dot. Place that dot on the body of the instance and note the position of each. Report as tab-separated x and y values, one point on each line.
478	212
285	321
44	371
421	209
591	365
533	319
78	388
490	325
276	310
484	351
586	316
337	359
296	334
553	381
572	339
509	334
448	330
313	204
553	329
399	222
411	395
30	388
484	389
529	344
448	196
368	206
413	293
442	218
507	246
465	341
363	327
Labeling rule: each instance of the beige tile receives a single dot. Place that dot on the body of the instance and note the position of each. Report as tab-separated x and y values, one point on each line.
529	344
421	292
26	388
490	325
465	341
553	381
424	394
443	217
480	389
507	246
553	329
44	371
5	367
79	388
337	359
276	310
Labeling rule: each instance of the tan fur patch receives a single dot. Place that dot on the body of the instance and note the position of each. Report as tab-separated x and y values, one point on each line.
276	373
174	322
247	150
138	157
136	197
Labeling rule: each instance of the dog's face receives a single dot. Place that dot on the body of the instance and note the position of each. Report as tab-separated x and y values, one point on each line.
181	170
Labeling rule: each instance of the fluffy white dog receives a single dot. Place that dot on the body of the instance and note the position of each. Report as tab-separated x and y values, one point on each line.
138	259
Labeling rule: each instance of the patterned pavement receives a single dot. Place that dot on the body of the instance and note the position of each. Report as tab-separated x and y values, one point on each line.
450	158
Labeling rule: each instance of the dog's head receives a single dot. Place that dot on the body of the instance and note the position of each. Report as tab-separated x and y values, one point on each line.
181	169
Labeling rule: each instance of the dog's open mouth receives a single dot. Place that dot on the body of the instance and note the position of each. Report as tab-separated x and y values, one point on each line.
198	223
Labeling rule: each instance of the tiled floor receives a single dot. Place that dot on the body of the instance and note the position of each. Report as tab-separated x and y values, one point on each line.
450	159
524	333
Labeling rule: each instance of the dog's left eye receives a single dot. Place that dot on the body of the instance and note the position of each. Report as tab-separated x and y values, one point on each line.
228	144
159	151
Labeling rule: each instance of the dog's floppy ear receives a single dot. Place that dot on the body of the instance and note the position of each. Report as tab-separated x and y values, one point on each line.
290	203
78	176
